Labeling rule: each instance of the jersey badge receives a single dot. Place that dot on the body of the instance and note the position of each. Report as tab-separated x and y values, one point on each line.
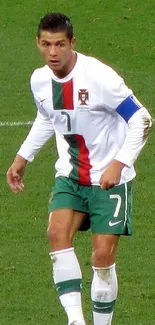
83	97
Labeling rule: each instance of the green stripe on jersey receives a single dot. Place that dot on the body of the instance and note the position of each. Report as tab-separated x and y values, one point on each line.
57	95
79	159
63	95
74	153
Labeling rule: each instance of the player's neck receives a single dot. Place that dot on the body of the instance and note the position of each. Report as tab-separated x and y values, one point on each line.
68	68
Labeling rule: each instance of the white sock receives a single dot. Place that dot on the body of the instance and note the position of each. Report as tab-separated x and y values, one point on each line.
68	280
103	294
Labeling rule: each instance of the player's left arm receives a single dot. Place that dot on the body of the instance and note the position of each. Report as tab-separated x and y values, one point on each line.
139	127
119	98
139	123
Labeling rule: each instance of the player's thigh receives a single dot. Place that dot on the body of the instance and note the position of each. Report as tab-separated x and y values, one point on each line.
110	211
67	209
65	194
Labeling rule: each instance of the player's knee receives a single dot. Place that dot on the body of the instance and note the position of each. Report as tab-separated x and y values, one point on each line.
103	256
53	233
53	230
57	235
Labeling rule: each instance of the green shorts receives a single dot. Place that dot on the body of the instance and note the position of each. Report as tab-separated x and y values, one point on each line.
108	211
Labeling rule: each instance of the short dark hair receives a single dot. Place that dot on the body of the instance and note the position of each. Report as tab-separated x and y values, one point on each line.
55	22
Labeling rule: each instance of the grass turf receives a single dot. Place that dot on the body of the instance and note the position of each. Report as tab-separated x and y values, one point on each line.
121	34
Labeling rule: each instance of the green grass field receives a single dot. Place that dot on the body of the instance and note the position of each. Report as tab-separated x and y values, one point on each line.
121	33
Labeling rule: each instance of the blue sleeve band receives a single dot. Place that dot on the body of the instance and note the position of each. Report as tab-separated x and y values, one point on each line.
128	107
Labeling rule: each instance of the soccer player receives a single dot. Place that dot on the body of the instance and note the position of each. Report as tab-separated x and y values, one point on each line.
100	129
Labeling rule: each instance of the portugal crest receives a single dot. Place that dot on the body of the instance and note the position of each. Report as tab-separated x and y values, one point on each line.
83	96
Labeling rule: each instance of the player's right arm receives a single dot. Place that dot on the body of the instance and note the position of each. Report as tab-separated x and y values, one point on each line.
42	130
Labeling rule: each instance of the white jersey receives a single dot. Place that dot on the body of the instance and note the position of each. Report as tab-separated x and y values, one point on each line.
91	112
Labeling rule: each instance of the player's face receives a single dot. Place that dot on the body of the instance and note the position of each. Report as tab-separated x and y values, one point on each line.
57	51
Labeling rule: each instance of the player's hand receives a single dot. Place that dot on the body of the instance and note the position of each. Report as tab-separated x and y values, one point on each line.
111	175
15	173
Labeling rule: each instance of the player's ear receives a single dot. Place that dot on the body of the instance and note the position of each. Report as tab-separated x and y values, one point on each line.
38	41
73	42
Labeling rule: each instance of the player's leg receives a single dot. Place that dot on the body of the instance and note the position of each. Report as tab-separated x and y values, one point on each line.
66	269
110	218
63	224
104	285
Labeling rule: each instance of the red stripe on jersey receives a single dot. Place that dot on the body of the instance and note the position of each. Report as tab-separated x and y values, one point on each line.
84	161
67	94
